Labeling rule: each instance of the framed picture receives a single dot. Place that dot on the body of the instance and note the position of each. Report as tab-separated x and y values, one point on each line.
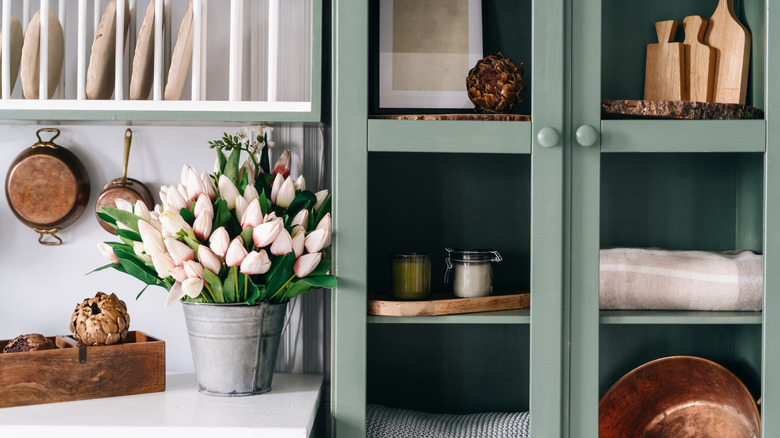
426	49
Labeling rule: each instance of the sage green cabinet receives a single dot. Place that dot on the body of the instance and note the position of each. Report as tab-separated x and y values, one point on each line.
675	184
549	193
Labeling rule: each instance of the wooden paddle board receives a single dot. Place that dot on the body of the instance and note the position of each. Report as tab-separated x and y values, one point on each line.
699	60
100	73
731	41
181	59
664	67
445	303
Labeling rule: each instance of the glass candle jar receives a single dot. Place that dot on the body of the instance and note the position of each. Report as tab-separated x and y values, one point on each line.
410	276
473	271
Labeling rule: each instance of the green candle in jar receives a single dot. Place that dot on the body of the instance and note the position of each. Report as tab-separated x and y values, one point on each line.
410	276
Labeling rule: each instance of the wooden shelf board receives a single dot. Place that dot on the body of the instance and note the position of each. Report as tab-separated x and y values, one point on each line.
517	316
676	109
483	117
677	317
451	136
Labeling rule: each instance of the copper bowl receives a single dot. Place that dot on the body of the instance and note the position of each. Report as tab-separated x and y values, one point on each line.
680	397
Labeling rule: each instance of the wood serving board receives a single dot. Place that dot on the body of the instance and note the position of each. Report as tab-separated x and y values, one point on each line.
699	60
664	66
731	40
444	303
667	109
72	372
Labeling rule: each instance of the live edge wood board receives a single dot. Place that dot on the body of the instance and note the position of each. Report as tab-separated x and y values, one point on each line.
70	372
446	304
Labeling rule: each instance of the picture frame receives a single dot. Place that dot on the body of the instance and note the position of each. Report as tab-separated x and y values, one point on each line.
426	49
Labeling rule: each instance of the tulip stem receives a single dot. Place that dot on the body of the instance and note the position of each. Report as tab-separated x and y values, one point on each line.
246	286
283	286
235	272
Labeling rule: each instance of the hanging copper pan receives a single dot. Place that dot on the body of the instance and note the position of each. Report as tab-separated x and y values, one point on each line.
47	187
122	188
679	397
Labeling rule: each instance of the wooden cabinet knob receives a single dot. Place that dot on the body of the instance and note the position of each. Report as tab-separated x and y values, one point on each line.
548	137
587	136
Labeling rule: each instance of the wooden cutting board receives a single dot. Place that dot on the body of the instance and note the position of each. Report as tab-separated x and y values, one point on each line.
444	303
664	67
17	39
699	60
731	41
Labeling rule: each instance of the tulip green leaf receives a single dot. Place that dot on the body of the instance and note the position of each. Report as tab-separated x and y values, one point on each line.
321	269
246	236
254	292
125	217
264	161
191	243
303	200
215	284
223	218
106	218
301	285
230	285
110	265
280	273
187	216
221	160
141	292
130	235
243	183
136	268
231	167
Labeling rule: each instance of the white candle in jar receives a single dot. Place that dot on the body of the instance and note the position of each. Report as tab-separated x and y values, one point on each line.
472	279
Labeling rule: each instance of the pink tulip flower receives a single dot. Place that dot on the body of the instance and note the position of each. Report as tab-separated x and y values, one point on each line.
241	206
179	251
175	294
178	273
325	224
208	184
302	219
209	260
219	241
276	186
107	252
203	204
256	263
228	191
153	240
298	235
193	269
253	216
282	244
265	234
306	264
236	252
315	241
163	263
286	193
141	210
322	195
192	287
202	225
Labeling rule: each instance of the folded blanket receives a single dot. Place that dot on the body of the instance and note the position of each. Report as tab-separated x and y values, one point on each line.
384	422
637	278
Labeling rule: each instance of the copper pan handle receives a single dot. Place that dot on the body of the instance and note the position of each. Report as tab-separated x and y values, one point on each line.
128	139
50	232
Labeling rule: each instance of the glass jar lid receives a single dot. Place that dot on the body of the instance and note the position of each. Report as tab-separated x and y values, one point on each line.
473	255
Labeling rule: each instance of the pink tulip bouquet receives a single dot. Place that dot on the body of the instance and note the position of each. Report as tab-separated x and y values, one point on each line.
239	235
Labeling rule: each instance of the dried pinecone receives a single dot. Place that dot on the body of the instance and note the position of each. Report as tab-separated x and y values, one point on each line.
102	320
495	84
30	342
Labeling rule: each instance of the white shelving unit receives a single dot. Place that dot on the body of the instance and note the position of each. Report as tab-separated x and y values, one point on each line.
251	60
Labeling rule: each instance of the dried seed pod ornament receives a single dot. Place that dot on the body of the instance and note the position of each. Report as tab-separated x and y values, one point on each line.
102	320
30	342
495	84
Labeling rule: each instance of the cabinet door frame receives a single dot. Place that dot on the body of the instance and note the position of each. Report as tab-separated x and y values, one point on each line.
548	344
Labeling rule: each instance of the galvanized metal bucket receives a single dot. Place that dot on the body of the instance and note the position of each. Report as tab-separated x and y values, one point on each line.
234	346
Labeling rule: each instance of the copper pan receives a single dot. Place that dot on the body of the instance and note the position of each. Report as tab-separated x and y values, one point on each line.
679	397
125	188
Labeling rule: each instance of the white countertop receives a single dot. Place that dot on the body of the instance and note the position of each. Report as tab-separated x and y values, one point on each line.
288	411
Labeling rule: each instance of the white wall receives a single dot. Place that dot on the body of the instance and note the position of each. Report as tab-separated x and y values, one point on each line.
41	285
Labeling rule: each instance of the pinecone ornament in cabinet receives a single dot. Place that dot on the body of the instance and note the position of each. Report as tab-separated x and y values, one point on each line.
495	84
102	320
